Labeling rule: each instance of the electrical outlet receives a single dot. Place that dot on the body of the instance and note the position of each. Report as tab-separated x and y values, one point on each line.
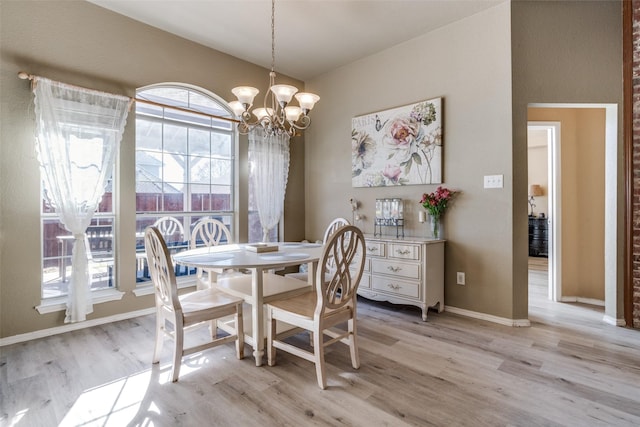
493	181
460	279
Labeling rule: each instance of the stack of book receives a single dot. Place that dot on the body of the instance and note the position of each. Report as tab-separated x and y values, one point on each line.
261	247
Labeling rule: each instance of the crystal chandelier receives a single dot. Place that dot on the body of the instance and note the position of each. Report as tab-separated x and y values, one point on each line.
276	116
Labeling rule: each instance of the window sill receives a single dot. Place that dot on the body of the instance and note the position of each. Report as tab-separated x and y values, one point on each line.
52	305
147	289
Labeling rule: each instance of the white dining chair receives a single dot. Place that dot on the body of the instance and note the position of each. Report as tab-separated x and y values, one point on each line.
186	311
171	229
206	233
331	303
331	228
172	232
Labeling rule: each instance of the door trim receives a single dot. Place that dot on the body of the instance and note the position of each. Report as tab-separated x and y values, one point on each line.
555	205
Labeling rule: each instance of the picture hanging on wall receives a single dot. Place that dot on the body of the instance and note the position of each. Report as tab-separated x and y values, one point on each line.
400	146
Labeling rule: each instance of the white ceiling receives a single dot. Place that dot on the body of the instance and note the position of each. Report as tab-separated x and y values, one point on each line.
312	36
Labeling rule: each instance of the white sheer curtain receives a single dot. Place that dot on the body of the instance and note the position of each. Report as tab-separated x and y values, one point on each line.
269	157
78	133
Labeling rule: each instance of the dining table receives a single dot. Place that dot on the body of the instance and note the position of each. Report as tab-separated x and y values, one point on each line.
261	285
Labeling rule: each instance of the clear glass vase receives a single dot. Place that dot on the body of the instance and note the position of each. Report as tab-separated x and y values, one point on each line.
436	227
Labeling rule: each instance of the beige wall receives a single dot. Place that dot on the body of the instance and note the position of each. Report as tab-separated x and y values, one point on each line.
566	52
82	44
582	149
467	63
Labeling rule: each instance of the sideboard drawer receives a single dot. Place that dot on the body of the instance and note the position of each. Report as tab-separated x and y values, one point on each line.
405	251
365	282
376	249
397	287
398	269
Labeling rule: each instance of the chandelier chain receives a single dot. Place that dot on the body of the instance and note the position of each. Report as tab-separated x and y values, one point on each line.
273	35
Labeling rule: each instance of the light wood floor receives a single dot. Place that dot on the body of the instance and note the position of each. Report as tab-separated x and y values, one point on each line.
567	369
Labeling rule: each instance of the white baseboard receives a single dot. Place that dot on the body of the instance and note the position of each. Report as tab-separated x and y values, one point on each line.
582	300
613	321
74	326
488	317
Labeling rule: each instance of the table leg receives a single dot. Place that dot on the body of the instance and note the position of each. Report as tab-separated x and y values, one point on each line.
312	270
257	315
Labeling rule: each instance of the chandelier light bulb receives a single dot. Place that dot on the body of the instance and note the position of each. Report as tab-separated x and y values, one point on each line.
292	112
237	108
261	113
307	100
284	93
245	94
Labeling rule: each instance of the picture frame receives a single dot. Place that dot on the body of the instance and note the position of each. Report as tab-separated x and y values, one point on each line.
399	146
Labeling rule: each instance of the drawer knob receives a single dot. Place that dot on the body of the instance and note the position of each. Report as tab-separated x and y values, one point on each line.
394	287
394	269
403	251
372	249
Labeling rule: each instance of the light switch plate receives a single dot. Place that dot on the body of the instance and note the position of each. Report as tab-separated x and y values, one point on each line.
493	181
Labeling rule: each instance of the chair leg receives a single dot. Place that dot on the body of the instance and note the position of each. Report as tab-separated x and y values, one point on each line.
271	335
239	332
318	351
213	328
177	349
159	338
353	344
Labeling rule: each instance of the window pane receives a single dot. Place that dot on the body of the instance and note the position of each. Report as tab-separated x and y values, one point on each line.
174	168
221	172
173	197
148	135
175	139
200	170
148	197
200	102
148	165
57	251
221	197
200	197
167	95
221	144
199	144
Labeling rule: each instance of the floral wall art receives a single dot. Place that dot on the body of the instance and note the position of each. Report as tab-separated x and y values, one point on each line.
400	146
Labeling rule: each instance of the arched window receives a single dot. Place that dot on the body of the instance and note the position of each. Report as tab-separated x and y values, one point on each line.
185	163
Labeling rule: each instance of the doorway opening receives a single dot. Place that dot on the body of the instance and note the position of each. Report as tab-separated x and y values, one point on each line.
582	219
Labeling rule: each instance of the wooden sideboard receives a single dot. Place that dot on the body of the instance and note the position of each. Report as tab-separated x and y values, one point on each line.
538	237
404	271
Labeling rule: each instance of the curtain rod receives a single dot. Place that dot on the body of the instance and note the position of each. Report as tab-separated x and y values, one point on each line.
26	76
